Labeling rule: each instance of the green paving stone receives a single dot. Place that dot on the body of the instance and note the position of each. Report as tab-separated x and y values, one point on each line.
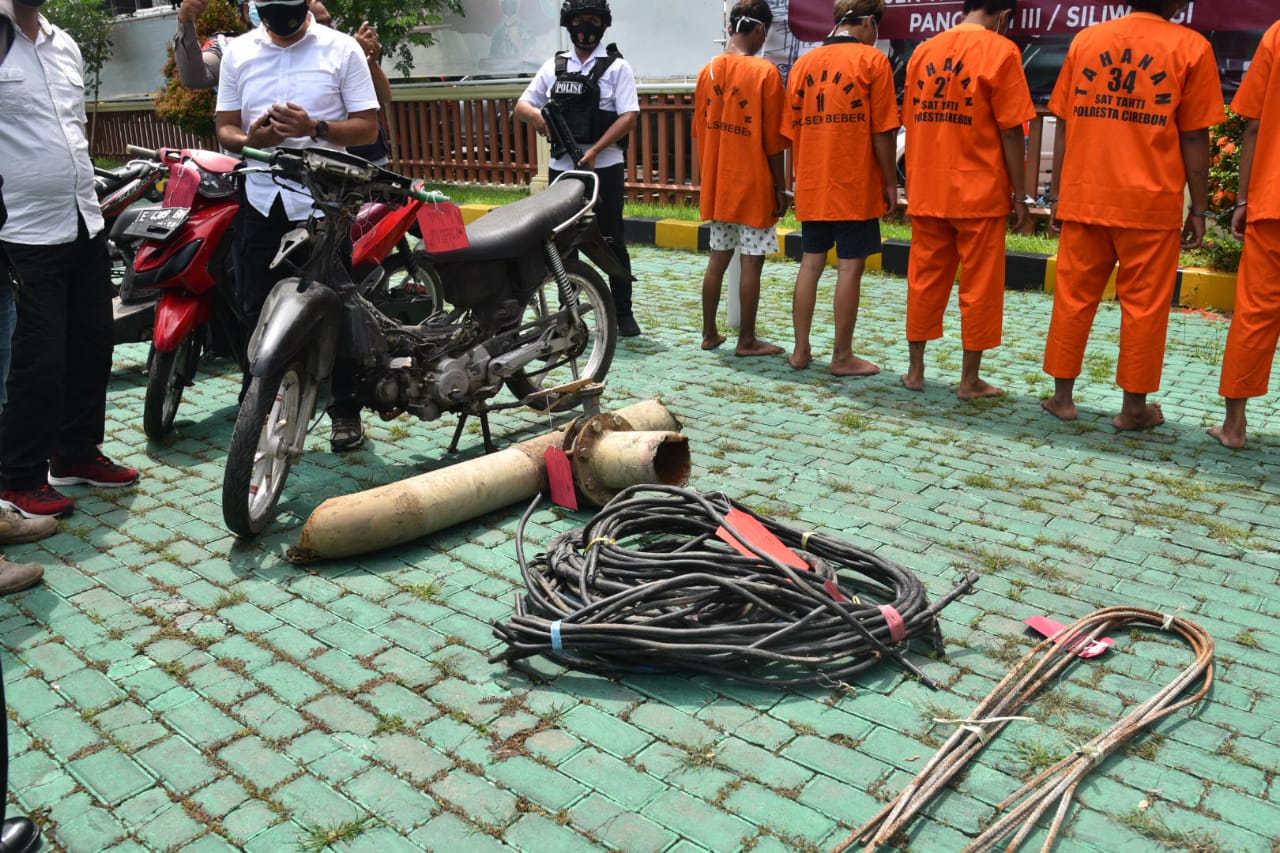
698	820
221	797
619	828
537	834
282	836
180	765
783	816
410	757
392	700
215	681
111	776
611	777
446	832
210	844
201	722
524	777
312	802
399	803
254	760
341	714
618	738
477	797
167	828
342	670
289	683
53	659
83	826
293	644
64	732
351	639
31	698
38	781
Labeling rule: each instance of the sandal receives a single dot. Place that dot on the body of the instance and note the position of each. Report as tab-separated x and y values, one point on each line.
347	434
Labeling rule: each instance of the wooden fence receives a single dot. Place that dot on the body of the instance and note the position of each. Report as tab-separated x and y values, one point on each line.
478	140
473	141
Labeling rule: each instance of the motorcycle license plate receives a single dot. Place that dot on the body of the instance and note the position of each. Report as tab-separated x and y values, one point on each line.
157	223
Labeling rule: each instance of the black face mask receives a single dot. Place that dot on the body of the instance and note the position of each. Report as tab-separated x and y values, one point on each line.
283	19
586	35
34	4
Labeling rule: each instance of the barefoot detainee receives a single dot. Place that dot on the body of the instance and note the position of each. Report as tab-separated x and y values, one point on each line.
1134	102
1255	327
966	98
737	128
842	119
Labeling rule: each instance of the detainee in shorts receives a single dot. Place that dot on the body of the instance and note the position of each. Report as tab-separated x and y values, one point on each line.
727	236
858	238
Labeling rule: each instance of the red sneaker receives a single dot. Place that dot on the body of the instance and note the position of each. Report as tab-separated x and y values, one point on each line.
98	472
40	502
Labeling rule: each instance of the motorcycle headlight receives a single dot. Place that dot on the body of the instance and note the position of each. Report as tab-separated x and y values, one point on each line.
215	185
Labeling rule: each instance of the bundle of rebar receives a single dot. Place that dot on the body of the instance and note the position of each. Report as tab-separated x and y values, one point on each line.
656	582
1055	787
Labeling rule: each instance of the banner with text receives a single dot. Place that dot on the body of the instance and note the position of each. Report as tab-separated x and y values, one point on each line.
1043	28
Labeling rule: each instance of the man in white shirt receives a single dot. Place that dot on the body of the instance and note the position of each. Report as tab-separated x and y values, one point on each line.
596	89
54	422
291	83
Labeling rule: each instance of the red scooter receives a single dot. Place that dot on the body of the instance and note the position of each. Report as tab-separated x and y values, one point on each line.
118	190
185	254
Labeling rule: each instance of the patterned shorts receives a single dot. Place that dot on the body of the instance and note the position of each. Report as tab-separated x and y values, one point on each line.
726	236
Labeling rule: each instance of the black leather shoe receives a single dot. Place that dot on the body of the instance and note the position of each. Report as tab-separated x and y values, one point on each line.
19	835
627	327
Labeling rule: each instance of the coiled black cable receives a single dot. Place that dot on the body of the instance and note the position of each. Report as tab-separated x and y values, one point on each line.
648	586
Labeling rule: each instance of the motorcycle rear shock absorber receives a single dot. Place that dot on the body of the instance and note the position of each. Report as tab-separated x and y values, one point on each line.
568	295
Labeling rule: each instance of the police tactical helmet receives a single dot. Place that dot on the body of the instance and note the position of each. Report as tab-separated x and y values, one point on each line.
571	8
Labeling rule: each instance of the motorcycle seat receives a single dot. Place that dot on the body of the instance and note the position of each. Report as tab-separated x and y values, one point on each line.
513	229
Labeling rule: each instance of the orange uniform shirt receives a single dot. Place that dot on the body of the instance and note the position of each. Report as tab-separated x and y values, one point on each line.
839	95
963	88
1252	101
737	121
1129	88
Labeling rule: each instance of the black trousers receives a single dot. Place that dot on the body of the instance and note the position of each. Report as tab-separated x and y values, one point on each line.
609	216
61	364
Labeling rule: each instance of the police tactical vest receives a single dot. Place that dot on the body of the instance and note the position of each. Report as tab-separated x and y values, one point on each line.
578	96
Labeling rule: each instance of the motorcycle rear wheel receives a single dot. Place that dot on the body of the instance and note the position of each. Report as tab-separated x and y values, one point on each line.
597	333
412	290
169	373
270	423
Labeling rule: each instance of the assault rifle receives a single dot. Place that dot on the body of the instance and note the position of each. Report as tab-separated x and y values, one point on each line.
562	141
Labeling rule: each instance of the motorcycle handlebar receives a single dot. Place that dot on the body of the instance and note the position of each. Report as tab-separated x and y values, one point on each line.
145	153
427	196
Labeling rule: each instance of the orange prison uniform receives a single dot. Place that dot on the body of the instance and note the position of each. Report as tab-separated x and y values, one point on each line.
1129	88
1255	327
839	94
738	107
962	88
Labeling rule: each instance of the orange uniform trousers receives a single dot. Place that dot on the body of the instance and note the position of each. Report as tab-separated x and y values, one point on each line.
1148	275
1255	326
940	246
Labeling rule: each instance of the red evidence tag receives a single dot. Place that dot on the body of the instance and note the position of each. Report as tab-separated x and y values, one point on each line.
758	535
560	477
442	227
1048	627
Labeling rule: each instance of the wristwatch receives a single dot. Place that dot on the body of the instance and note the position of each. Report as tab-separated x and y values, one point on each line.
322	131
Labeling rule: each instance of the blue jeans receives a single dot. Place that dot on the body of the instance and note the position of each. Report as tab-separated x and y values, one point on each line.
8	317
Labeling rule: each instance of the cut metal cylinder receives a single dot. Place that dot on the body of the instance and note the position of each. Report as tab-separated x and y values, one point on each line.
419	506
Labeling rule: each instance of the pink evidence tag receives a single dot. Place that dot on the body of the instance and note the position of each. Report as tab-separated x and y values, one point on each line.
1047	627
442	227
757	534
560	477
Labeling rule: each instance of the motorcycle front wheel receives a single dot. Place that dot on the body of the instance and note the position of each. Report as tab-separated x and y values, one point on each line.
168	375
594	339
267	439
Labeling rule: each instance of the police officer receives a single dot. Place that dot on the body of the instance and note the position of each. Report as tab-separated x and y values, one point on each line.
596	91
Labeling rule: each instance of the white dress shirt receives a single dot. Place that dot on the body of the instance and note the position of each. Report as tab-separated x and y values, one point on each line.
617	94
324	72
44	152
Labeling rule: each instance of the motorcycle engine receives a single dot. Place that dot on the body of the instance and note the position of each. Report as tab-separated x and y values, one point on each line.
444	386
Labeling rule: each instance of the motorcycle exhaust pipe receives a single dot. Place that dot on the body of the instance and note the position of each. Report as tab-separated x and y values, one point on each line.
636	445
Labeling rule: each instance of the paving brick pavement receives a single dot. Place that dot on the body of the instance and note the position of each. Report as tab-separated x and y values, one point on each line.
171	689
